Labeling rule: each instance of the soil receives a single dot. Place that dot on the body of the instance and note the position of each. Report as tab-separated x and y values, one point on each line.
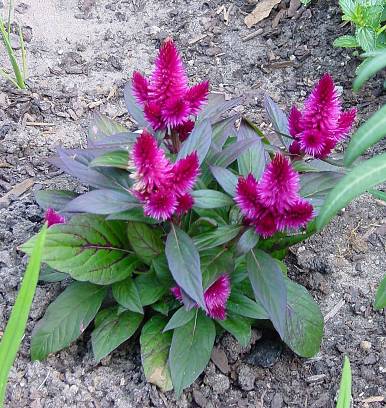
80	54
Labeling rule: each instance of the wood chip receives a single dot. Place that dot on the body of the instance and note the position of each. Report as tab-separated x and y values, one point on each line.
261	11
334	310
252	35
18	190
197	39
39	124
4	165
367	401
315	378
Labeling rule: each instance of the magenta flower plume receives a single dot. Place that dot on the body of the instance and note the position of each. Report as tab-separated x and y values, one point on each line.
52	217
279	184
166	97
161	186
273	204
322	124
216	296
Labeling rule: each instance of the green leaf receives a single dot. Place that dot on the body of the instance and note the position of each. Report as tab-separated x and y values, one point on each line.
346	41
278	118
180	318
155	344
366	38
304	321
112	330
14	331
227	156
371	132
48	274
215	262
103	126
380	195
244	306
253	160
348	8
344	397
161	268
211	199
226	179
190	351
184	264
145	241
126	294
118	159
369	69
268	286
364	176
134	214
316	183
239	327
217	237
149	288
247	241
56	199
380	297
198	141
89	248
66	318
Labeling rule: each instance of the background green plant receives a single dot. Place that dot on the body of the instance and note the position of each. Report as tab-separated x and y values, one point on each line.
14	331
19	73
344	396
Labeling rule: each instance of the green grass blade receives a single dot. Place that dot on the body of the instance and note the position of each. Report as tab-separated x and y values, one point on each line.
9	16
14	331
11	55
371	132
369	69
380	297
8	77
344	397
23	54
380	195
366	175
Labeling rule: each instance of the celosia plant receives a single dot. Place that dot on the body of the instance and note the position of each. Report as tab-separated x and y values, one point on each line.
186	223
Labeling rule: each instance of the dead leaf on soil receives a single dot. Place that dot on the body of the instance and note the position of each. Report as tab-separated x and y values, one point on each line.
261	11
18	190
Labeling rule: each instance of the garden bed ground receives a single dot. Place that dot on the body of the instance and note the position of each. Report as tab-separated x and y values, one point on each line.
80	54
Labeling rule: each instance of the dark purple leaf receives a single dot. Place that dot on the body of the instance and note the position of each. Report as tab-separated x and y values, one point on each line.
216	106
221	131
56	199
134	109
278	118
102	201
102	126
232	152
226	179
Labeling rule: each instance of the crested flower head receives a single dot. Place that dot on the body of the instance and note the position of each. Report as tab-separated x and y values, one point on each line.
161	186
322	124
166	97
279	184
273	204
216	296
52	217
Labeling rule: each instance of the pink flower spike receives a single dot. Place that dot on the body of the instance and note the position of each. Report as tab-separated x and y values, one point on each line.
322	108
345	122
216	297
279	184
184	203
52	217
168	80
160	205
151	165
196	96
313	142
265	225
184	130
298	215
140	88
176	292
185	173
175	111
295	148
294	119
247	197
153	115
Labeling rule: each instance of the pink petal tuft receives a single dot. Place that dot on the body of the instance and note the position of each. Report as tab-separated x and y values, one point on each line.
294	120
168	79
52	217
247	197
176	292
312	141
175	111
185	173
184	130
153	115
160	205
297	215
265	224
279	184
216	297
295	148
152	166
184	203
140	88
196	96
345	122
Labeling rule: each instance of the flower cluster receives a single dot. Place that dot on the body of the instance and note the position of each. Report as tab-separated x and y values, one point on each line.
273	203
162	186
166	98
322	124
215	296
52	217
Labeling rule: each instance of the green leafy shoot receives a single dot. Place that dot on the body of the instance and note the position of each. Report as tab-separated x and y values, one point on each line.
14	330
344	397
19	73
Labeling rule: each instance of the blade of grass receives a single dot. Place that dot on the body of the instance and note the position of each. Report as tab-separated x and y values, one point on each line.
8	77
9	16
14	331
23	54
344	398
